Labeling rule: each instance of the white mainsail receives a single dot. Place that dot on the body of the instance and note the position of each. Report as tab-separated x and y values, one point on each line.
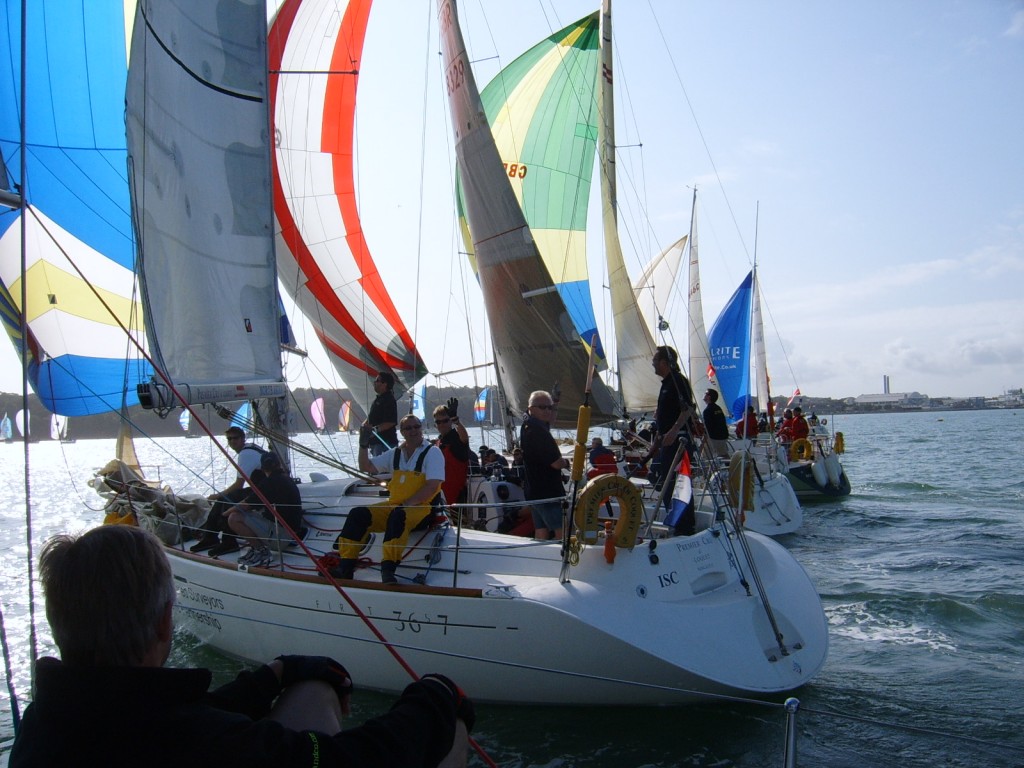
199	161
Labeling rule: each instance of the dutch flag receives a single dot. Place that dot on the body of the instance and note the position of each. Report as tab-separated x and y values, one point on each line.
682	494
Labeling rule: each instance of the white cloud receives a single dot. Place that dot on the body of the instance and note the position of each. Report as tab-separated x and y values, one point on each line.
1016	28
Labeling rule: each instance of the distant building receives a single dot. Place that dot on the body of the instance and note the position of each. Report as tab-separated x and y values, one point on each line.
893	399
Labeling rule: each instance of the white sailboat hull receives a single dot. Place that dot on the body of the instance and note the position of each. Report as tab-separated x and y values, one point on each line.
635	632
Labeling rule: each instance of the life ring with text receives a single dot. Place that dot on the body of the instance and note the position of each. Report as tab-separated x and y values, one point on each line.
592	498
839	445
801	450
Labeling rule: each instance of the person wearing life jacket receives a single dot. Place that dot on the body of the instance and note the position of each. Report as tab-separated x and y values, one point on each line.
453	441
417	472
747	426
799	429
785	430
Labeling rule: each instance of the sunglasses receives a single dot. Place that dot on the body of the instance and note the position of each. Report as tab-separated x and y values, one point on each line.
441	421
545	407
412	427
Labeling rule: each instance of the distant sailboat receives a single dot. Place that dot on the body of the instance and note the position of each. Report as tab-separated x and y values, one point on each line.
345	416
21	421
6	429
59	429
480	406
319	416
736	343
419	402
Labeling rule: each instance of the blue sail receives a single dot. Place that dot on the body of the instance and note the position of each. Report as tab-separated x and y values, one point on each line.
729	343
77	356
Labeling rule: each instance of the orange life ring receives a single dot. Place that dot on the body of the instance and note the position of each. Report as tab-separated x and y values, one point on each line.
801	450
592	498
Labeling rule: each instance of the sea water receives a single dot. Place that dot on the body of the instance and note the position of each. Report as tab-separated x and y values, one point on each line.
920	570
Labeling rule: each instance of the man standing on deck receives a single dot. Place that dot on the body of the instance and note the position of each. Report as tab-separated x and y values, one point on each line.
110	701
378	431
453	440
676	409
544	465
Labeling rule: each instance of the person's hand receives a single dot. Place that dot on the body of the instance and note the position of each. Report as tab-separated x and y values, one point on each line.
365	435
296	669
452	406
464	708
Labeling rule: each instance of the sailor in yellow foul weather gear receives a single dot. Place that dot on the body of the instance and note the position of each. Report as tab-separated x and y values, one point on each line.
417	471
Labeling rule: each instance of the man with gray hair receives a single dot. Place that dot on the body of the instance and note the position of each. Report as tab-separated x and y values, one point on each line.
544	465
110	701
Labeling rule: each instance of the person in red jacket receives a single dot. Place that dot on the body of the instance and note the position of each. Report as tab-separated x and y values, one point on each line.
110	700
747	426
799	428
453	440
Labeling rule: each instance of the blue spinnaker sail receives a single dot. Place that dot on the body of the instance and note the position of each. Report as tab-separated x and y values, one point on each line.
729	342
77	357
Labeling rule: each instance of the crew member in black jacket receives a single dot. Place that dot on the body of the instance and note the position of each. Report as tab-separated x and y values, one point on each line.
110	701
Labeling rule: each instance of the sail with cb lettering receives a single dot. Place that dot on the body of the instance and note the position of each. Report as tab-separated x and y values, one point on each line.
542	111
536	345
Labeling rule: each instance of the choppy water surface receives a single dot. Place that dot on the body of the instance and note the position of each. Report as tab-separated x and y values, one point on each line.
921	572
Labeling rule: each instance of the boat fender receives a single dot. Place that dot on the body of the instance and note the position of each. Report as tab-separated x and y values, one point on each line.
741	470
579	451
820	475
801	450
839	446
591	499
782	458
833	469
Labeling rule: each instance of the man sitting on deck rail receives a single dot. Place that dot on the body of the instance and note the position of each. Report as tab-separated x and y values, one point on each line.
251	519
417	469
109	701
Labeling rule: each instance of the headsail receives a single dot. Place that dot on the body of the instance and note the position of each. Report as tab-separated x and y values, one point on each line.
78	359
535	343
542	111
729	342
760	358
324	259
201	199
634	340
701	371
